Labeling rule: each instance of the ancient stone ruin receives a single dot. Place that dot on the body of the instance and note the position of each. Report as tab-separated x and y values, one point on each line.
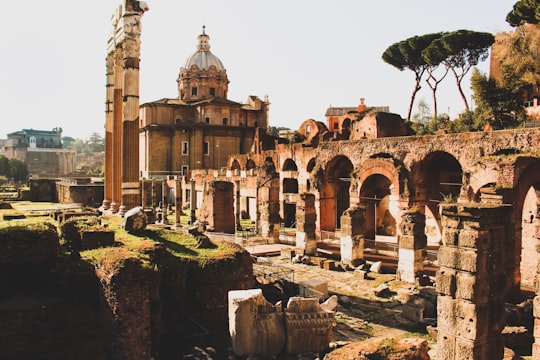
259	328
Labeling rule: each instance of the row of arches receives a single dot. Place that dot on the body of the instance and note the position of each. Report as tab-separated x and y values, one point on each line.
386	186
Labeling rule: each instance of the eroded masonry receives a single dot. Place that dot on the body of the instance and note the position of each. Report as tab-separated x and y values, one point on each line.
361	177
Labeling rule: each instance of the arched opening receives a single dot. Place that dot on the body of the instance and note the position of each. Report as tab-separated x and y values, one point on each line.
309	169
529	254
346	128
381	206
437	178
250	164
526	223
235	167
335	197
289	165
290	192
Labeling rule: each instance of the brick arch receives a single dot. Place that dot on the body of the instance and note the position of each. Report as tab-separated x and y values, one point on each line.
482	177
289	165
529	177
235	164
335	194
379	167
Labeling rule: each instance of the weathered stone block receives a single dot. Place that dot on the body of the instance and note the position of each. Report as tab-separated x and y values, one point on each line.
254	325
308	326
314	288
445	282
472	261
446	314
472	321
287	253
472	287
329	265
413	312
448	257
446	345
475	239
450	237
352	249
135	220
536	307
306	243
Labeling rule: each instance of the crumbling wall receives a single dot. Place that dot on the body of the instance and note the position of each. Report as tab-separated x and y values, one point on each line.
49	308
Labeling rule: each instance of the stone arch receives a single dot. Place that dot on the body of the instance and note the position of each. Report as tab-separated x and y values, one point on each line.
346	127
436	178
235	165
380	166
335	195
289	165
309	168
250	164
528	180
378	194
289	186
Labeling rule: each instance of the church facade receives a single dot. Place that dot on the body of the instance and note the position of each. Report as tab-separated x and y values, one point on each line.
201	127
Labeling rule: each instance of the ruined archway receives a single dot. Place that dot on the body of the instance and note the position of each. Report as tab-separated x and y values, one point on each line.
526	203
335	197
309	169
250	164
235	167
289	187
381	206
435	179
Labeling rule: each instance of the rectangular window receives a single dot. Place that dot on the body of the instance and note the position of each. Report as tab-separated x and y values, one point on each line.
212	91
206	148
336	126
207	120
193	91
225	121
185	148
185	169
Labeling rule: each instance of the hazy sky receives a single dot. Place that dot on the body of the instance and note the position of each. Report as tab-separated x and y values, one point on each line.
304	54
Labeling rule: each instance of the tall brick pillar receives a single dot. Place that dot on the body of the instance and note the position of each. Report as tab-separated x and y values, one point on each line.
177	202
412	244
217	210
306	218
122	109
270	221
471	282
352	235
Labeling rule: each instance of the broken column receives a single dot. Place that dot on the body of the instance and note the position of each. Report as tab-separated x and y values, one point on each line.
308	326
412	245
256	328
270	221
352	235
306	217
217	210
471	282
122	108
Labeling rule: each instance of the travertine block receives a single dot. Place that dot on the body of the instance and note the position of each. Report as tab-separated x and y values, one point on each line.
446	314
320	287
446	282
308	326
472	287
254	325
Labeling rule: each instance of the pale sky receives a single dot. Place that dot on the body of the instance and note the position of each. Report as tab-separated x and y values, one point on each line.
304	54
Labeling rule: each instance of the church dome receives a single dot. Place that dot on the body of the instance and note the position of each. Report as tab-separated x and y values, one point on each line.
204	58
